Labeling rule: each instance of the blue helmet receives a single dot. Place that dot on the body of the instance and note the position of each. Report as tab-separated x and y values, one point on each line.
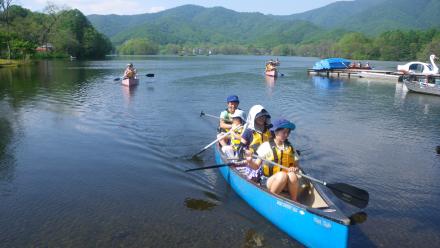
282	123
232	98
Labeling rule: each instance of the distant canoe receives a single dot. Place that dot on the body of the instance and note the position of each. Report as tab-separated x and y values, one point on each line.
130	81
331	64
273	73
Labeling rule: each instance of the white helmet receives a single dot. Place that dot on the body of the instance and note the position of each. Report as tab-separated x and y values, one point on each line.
239	114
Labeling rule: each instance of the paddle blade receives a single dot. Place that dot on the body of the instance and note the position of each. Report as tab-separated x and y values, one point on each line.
150	75
117	79
202	113
350	194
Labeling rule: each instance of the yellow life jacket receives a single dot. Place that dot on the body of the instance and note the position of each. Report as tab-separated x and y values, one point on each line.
284	157
235	142
258	139
130	74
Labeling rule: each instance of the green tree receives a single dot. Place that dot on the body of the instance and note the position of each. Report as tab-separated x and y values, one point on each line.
138	47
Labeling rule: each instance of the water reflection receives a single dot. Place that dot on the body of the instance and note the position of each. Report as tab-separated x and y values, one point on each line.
270	84
199	204
253	239
7	161
358	218
128	92
327	83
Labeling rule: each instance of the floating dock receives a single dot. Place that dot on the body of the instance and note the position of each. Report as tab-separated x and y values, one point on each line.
358	73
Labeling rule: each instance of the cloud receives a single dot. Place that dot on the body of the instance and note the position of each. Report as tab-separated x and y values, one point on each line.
121	7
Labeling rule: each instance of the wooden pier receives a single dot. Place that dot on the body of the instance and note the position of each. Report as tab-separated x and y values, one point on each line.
358	73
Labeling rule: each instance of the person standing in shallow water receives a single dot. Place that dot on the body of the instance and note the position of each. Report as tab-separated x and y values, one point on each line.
130	72
225	123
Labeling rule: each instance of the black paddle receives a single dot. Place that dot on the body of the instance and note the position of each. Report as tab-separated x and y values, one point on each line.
150	75
237	163
204	114
348	193
208	167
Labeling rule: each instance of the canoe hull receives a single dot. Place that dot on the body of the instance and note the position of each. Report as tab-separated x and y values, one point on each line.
130	81
300	222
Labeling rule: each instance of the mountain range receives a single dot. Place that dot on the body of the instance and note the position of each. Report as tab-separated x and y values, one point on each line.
196	24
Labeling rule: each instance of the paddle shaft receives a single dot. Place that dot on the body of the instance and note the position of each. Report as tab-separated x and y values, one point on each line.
217	166
348	193
216	140
213	116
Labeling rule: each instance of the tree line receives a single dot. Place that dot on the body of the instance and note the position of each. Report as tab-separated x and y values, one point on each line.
395	45
58	32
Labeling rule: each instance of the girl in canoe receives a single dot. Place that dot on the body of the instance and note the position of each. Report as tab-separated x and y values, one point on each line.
256	132
278	150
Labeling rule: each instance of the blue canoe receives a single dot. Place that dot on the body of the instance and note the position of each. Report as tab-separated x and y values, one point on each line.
331	64
315	221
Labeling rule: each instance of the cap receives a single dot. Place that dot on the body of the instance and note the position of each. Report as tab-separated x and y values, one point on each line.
239	114
282	123
232	98
263	112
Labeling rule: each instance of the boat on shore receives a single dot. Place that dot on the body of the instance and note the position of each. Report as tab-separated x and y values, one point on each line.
427	85
130	81
314	221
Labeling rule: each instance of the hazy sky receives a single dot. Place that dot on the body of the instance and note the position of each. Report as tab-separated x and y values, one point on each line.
127	7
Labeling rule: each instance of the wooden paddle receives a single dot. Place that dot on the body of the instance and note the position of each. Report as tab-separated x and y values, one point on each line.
216	140
348	193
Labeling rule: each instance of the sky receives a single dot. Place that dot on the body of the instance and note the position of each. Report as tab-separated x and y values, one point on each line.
131	7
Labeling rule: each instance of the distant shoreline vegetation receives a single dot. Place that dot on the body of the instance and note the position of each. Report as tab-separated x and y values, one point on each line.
64	33
396	45
56	33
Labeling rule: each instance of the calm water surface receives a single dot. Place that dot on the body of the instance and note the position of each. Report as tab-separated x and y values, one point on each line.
86	162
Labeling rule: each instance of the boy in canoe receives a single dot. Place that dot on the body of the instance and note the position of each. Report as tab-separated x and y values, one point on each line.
238	119
225	124
280	151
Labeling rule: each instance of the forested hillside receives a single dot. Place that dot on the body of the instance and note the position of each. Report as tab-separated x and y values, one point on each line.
58	33
373	29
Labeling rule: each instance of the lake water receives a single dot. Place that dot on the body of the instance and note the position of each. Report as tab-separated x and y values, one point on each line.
86	162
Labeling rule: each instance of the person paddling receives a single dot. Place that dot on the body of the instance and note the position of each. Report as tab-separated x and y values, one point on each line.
225	123
130	72
238	120
256	132
280	151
